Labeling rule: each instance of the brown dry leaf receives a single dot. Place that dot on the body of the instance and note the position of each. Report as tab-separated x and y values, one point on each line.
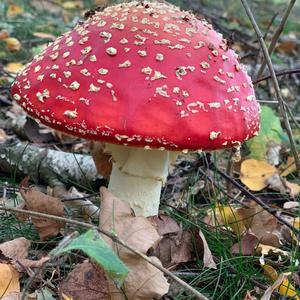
86	281
139	233
174	248
39	202
208	260
16	249
261	223
9	280
14	67
254	173
103	160
165	224
246	246
12	44
294	188
23	264
144	281
14	10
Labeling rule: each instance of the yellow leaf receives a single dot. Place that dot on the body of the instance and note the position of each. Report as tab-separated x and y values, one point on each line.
12	44
254	173
72	4
65	297
285	288
9	280
14	10
231	218
13	67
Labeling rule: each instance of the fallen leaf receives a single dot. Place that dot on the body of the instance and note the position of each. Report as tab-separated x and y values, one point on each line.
174	248
14	67
9	280
231	218
291	204
281	283
294	188
246	246
289	167
254	173
14	10
86	281
3	34
16	249
23	264
103	160
144	281
165	224
263	225
44	35
208	260
3	136
12	44
73	4
267	250
39	202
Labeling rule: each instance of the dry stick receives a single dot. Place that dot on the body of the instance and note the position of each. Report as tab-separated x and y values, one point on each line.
276	36
113	238
275	82
285	72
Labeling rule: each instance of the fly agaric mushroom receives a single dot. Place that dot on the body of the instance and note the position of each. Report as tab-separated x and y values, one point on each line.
147	79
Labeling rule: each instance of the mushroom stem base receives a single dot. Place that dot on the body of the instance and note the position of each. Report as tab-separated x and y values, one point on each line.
138	176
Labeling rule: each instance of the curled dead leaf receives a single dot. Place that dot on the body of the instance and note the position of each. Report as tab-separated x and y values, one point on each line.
103	160
39	202
16	249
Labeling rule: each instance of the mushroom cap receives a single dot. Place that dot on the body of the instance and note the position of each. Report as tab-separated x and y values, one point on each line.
142	74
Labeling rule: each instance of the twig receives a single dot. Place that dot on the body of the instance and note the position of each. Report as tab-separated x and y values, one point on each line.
113	238
282	73
275	82
276	36
269	209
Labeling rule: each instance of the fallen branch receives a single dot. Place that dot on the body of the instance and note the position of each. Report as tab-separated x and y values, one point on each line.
114	238
46	165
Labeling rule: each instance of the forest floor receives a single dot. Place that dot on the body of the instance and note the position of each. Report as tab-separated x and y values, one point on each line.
228	226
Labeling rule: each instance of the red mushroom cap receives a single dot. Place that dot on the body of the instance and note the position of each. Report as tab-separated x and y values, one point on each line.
142	74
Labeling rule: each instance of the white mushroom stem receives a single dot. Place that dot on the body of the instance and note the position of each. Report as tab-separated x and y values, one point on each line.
138	176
